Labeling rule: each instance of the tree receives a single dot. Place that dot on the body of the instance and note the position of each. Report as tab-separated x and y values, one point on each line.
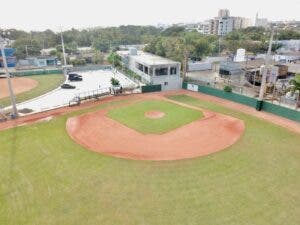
26	47
114	59
295	83
173	31
98	58
114	82
78	62
288	34
101	45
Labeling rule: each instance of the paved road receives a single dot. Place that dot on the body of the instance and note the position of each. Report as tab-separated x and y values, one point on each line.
92	80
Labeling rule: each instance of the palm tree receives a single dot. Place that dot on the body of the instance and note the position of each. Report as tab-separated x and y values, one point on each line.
295	83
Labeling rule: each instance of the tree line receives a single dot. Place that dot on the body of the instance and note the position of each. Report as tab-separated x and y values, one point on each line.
175	42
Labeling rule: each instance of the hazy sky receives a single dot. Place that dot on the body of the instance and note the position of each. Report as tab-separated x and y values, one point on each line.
41	14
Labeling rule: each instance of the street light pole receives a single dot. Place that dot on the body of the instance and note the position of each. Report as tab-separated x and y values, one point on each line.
10	88
63	47
265	72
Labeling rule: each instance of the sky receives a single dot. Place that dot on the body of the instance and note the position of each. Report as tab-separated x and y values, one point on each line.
53	14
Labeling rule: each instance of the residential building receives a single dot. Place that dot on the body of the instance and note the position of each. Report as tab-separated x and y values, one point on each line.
153	69
204	28
261	22
38	62
241	23
289	46
226	25
224	13
214	26
47	51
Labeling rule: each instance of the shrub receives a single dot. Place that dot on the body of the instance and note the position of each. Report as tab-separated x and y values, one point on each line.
114	82
228	89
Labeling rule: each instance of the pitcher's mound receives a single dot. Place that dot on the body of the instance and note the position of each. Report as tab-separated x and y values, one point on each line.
155	114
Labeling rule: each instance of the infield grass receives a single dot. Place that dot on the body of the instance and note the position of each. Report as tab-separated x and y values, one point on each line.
133	116
46	83
46	178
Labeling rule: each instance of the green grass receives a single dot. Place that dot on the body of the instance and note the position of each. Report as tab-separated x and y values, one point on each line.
46	178
46	83
133	116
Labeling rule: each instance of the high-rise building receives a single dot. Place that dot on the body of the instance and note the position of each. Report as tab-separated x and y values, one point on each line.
224	13
241	23
226	25
223	24
261	22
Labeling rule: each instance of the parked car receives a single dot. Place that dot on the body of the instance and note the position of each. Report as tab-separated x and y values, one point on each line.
75	78
74	75
67	86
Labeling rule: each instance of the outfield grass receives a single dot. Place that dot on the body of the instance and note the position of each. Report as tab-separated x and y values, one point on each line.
46	179
133	116
46	83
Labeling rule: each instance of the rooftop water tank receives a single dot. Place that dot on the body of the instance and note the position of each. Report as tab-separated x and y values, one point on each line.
132	51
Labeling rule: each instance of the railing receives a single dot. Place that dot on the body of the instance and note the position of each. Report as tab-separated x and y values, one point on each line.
94	94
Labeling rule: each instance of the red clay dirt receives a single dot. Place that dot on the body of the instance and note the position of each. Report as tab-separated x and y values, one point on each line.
20	85
154	114
99	133
33	118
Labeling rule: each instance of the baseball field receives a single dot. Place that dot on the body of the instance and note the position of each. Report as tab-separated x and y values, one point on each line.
201	163
26	88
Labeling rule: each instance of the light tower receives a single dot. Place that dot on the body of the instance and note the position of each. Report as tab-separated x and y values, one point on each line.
10	88
265	73
63	47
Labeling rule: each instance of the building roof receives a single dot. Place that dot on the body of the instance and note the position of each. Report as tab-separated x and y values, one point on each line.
149	59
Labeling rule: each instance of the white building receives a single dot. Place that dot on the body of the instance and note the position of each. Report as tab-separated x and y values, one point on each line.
241	23
240	55
289	46
204	28
223	13
261	22
224	23
153	69
47	51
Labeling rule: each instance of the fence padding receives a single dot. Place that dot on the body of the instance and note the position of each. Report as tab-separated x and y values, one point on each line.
252	102
281	111
37	72
151	88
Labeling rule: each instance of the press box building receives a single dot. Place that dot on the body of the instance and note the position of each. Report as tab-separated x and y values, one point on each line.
153	69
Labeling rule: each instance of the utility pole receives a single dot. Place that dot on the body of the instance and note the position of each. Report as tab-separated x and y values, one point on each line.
265	73
63	47
10	89
26	48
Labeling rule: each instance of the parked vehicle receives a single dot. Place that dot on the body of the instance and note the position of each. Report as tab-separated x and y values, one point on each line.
67	86
74	75
75	78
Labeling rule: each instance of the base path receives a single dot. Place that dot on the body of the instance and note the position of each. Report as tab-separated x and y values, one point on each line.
99	133
20	85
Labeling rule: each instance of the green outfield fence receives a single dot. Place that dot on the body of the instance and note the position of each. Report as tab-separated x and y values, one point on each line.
151	88
37	72
245	100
